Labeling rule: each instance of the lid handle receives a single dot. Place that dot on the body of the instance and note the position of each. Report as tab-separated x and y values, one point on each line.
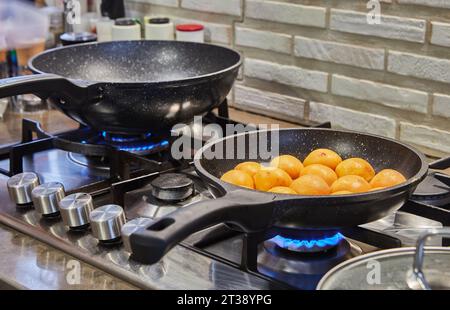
417	274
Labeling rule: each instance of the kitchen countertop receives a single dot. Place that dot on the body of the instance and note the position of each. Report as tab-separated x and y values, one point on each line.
26	263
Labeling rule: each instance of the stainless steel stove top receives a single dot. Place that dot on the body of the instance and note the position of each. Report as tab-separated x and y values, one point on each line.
180	269
196	263
215	258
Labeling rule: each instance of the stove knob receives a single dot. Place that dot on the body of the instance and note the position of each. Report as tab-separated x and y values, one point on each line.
75	210
20	187
106	222
46	198
132	226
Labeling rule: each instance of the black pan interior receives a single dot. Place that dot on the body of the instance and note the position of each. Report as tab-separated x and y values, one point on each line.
136	61
380	152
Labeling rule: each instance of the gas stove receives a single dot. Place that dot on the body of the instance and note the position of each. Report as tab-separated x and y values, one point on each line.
131	180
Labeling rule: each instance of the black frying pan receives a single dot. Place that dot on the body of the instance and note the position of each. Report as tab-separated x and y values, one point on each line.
131	86
251	211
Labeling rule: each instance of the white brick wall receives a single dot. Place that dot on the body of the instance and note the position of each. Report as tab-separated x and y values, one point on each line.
401	98
328	52
424	67
430	3
268	103
425	136
266	40
441	105
391	27
440	34
289	75
353	55
216	33
230	7
352	120
286	13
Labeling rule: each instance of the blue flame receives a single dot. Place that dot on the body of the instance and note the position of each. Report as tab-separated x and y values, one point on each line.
327	242
143	147
120	139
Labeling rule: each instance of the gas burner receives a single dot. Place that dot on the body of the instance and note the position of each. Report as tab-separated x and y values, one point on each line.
304	269
87	140
140	144
94	162
432	191
309	241
172	187
406	226
120	138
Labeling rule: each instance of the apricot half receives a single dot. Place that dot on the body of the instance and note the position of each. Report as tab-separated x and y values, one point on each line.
310	185
324	157
269	177
387	178
288	163
239	178
355	166
351	183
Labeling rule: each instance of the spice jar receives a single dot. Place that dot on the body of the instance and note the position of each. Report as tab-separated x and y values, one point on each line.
159	28
190	32
126	29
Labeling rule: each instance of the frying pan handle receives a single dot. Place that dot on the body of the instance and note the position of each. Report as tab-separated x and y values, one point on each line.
249	211
43	86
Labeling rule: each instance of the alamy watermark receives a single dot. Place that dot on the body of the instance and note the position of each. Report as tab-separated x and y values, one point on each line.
73	272
73	12
373	276
374	14
263	144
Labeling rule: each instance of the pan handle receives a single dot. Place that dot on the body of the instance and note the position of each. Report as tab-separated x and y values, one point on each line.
251	212
42	85
415	277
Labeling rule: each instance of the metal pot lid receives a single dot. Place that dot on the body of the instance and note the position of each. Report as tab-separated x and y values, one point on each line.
394	269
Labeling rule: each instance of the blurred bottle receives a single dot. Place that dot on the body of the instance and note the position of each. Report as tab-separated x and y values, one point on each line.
23	33
3	74
112	8
56	24
158	28
21	23
104	29
126	29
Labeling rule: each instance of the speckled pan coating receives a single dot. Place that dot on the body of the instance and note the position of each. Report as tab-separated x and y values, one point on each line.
136	61
255	211
136	86
326	212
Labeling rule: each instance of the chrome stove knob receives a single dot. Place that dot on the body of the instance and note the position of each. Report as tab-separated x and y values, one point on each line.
106	222
46	198
75	210
132	226
20	187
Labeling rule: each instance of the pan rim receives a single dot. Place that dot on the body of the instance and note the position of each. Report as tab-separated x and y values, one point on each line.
395	252
225	188
187	80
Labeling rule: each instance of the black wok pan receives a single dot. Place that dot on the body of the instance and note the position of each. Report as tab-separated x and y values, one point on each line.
251	211
131	86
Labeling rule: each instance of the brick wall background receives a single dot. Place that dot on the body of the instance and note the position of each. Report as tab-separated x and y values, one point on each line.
321	60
